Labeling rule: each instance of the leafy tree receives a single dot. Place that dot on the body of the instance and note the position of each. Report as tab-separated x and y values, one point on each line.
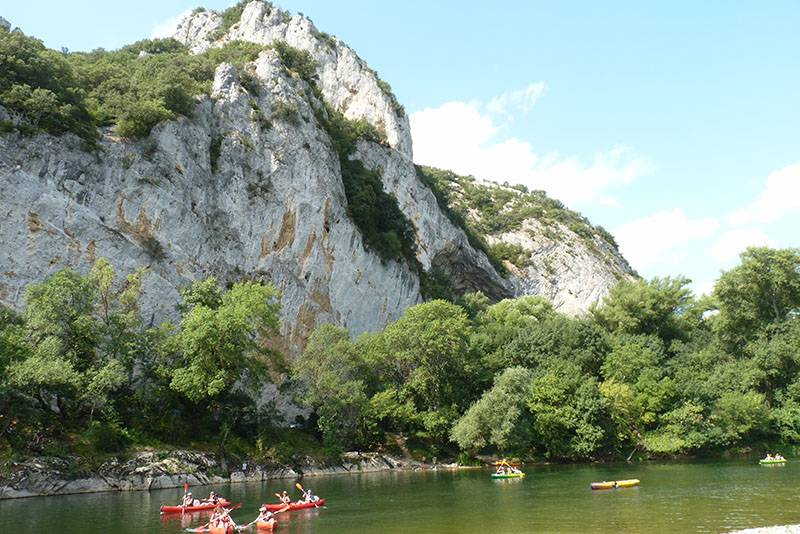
331	370
764	290
502	323
497	417
569	413
646	307
423	358
218	347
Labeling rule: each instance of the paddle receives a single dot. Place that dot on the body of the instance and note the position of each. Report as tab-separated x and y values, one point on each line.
300	487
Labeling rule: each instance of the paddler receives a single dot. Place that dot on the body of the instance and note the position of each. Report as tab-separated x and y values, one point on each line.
212	498
187	499
285	499
227	520
309	497
264	515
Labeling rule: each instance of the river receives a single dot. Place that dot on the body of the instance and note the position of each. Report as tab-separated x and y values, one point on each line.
673	497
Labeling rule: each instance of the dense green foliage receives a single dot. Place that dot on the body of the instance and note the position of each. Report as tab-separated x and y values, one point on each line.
133	88
40	85
80	367
654	371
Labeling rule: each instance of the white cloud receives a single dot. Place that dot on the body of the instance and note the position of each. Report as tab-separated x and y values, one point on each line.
520	100
727	248
458	136
166	28
662	238
781	195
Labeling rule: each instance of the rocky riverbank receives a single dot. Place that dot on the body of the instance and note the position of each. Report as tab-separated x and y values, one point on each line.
171	469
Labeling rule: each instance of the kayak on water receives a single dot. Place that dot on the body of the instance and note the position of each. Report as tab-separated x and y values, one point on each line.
295	506
200	507
508	475
770	462
613	484
213	530
266	525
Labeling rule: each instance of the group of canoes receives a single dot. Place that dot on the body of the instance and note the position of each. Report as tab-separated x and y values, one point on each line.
221	521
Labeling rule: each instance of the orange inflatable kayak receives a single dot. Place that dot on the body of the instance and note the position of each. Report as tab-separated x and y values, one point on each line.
266	525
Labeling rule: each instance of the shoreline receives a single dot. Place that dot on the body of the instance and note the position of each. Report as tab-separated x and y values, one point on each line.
144	471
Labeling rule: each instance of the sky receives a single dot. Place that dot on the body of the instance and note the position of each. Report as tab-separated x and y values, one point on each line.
675	125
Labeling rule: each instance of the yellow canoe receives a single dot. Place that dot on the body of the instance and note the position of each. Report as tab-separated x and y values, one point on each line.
615	484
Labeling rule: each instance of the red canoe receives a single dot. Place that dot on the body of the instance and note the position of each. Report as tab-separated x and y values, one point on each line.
198	508
296	506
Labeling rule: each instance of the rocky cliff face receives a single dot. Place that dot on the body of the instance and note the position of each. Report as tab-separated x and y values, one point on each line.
221	194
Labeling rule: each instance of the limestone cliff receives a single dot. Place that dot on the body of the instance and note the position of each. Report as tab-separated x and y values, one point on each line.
219	193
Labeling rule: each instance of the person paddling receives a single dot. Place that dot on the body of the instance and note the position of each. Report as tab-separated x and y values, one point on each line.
285	499
212	498
188	500
308	496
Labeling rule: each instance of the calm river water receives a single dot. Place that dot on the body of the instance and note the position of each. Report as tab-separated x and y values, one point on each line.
673	497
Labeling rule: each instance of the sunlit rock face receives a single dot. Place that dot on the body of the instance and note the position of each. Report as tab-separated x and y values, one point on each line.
221	194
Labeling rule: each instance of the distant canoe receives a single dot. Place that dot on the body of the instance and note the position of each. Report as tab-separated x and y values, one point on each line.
508	475
772	462
613	484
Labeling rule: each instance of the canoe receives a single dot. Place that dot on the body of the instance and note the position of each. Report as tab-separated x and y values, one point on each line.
771	462
296	506
266	525
198	508
615	484
213	530
508	475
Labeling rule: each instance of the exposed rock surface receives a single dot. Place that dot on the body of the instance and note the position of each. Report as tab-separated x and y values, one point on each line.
564	269
270	206
154	470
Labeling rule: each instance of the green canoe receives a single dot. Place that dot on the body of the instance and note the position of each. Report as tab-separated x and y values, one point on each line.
508	475
770	462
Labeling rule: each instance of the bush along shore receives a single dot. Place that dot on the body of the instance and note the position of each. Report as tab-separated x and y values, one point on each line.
146	470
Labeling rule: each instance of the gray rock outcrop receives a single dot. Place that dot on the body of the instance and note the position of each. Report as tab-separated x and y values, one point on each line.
222	194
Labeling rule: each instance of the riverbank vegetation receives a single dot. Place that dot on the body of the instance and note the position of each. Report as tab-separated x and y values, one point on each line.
654	371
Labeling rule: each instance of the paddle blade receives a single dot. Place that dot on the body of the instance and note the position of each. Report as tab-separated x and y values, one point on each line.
298	486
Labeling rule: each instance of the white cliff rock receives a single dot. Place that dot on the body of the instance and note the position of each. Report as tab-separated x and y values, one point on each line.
564	269
348	84
226	193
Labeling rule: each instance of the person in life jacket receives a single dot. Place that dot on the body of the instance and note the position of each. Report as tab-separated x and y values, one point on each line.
309	497
264	515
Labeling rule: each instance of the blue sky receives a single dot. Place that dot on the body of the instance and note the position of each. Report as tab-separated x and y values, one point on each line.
676	125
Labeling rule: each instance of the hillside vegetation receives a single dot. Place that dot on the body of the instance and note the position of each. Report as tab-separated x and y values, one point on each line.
484	209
